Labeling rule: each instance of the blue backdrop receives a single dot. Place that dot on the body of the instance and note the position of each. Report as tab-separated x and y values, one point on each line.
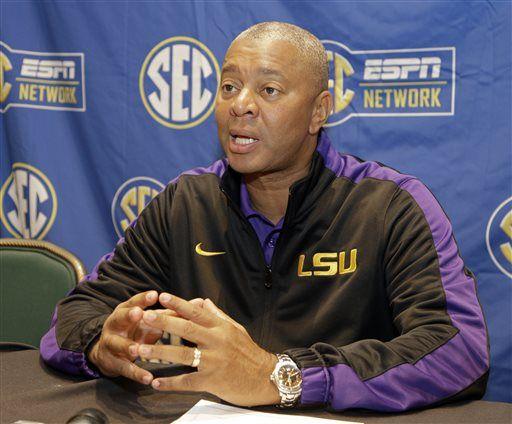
104	102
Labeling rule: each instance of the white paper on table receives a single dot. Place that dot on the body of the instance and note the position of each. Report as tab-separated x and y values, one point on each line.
205	411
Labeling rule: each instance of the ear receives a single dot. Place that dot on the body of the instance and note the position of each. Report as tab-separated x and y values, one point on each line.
321	110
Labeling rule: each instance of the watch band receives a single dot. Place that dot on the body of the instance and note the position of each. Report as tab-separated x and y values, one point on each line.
289	396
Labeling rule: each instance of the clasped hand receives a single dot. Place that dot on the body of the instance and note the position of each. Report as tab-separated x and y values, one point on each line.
232	366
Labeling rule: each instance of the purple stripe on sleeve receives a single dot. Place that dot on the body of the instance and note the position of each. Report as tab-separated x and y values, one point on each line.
438	375
450	368
315	383
64	360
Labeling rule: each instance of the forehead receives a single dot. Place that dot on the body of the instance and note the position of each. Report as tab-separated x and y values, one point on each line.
264	55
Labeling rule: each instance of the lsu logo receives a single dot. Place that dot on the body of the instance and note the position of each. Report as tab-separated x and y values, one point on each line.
498	237
327	264
130	199
37	80
28	203
178	82
386	83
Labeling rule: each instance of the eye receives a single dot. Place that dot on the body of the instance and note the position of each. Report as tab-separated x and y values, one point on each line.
271	91
228	88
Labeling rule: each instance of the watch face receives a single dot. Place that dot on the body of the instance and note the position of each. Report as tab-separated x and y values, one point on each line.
289	377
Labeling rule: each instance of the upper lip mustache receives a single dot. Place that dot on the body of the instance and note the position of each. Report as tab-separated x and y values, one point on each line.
242	133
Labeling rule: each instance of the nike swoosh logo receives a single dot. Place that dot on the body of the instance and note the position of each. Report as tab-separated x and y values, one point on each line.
202	252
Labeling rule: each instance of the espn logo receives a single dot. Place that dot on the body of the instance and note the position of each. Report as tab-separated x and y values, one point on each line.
48	69
393	82
41	80
402	68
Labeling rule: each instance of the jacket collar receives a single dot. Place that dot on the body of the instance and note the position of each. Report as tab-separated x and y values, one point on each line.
303	193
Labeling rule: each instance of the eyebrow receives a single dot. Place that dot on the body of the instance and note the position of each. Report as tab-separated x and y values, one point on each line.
262	70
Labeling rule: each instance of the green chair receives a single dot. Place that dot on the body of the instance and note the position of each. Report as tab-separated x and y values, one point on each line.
34	276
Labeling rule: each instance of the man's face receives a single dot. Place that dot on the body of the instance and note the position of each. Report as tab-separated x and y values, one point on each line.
264	108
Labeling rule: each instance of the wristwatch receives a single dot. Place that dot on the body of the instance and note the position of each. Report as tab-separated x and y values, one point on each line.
288	380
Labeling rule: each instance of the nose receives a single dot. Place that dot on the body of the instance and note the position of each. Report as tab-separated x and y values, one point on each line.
244	104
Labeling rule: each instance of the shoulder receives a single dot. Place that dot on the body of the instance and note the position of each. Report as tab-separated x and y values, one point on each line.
411	199
403	190
355	169
405	185
195	177
216	170
360	171
188	183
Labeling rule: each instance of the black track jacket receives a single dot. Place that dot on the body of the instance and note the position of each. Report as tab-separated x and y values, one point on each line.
366	289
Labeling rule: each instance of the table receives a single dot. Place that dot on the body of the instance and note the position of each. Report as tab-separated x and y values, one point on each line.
32	391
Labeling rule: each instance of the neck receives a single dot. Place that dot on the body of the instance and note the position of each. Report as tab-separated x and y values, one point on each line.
269	192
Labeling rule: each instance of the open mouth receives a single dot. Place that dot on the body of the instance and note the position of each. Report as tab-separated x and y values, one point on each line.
242	140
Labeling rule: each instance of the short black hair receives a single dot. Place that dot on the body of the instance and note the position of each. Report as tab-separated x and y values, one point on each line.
309	47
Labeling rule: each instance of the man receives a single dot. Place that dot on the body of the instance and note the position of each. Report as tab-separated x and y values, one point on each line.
340	280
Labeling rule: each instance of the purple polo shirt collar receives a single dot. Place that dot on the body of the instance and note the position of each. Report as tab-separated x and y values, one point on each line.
267	232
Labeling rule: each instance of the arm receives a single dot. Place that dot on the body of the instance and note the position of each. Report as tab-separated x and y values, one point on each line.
138	264
441	350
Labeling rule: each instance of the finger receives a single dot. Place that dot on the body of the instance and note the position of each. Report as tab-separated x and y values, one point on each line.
120	346
147	335
175	354
143	326
197	301
180	327
166	312
130	370
123	318
129	312
143	300
214	309
191	311
193	382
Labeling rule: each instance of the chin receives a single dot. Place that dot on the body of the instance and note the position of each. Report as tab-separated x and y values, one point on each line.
242	168
242	165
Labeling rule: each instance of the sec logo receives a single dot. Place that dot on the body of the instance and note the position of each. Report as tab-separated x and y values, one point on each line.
499	237
130	199
28	203
178	82
5	87
340	72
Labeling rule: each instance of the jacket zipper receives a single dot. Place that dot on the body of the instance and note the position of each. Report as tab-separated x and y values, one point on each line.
268	283
268	268
247	225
